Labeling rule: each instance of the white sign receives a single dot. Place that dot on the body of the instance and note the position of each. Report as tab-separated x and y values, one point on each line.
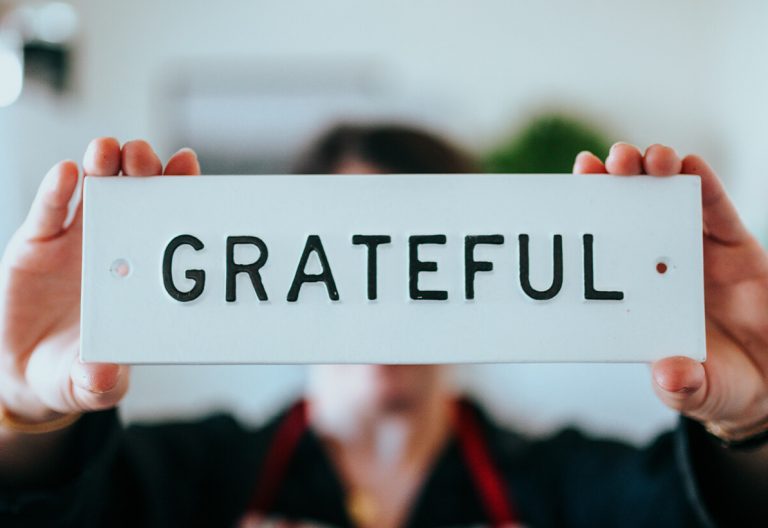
392	269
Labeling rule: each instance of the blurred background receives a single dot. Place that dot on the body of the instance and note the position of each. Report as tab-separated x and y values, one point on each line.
524	85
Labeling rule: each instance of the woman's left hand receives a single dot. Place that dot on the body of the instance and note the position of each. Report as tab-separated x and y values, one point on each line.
729	392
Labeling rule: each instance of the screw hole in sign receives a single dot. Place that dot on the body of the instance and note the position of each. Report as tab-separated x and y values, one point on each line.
661	267
120	268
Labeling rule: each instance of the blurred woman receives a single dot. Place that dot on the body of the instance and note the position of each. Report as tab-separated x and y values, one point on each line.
369	445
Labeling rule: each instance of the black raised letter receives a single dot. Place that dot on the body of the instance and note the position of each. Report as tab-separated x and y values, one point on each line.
313	244
194	274
371	242
251	269
589	276
472	266
415	266
557	271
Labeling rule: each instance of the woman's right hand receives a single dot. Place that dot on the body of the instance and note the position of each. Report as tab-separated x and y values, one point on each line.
41	375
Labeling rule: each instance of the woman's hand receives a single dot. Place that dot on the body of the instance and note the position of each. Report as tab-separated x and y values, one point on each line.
41	376
729	392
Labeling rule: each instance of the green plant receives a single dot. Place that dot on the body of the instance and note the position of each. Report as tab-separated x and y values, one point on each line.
548	144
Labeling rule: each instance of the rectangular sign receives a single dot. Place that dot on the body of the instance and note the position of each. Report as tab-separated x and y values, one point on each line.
392	269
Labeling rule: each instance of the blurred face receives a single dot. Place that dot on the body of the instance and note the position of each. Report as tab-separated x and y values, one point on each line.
374	390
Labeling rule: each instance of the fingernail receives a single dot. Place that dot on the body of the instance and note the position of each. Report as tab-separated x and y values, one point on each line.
85	380
185	150
89	152
617	144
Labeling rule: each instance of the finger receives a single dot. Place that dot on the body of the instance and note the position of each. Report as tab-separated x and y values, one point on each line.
588	163
102	157
183	163
721	221
661	161
624	159
680	382
138	159
50	207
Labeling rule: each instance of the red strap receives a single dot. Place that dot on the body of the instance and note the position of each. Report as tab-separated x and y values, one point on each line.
473	446
487	479
279	455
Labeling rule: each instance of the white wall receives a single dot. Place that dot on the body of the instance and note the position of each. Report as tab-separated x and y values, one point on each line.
689	73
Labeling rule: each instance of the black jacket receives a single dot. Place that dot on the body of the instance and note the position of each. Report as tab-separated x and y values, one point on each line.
203	474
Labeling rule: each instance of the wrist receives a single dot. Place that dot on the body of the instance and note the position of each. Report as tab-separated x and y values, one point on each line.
746	437
37	423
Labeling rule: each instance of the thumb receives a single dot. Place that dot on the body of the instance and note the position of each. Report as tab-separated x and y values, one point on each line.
680	382
96	386
65	384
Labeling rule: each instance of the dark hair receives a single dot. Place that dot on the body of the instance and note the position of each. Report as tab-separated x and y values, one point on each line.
392	148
